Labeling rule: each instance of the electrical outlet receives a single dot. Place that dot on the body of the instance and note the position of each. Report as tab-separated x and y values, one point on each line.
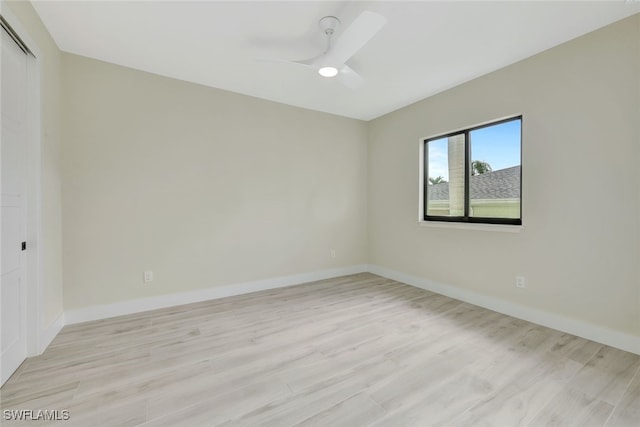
520	282
148	276
333	253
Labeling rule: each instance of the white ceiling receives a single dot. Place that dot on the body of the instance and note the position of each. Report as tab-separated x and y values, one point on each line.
425	47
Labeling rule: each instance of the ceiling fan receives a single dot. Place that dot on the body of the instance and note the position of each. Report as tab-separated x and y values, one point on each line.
332	63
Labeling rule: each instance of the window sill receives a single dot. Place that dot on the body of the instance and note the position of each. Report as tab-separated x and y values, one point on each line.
477	227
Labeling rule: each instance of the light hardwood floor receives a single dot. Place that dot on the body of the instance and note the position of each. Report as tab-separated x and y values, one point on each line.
354	351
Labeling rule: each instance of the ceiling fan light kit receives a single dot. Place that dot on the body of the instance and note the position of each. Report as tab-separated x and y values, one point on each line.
328	71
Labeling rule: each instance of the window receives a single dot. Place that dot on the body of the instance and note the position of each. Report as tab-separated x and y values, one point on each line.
474	175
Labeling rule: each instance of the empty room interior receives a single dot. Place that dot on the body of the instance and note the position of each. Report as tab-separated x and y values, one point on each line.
314	213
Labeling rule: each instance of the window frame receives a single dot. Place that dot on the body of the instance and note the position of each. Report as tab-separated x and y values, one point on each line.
465	218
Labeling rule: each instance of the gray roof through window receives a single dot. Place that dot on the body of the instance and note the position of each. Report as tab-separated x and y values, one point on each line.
500	184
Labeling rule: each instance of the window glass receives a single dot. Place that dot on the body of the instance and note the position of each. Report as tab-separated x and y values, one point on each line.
475	175
494	185
446	176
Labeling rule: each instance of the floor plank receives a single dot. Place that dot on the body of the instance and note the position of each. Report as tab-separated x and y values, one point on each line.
357	350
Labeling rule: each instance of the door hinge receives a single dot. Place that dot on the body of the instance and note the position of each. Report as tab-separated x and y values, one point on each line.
24	246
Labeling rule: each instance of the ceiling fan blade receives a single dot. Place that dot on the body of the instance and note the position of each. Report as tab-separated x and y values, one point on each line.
312	62
354	37
306	63
350	78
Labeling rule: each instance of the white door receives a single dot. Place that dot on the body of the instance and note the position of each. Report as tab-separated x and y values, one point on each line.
13	348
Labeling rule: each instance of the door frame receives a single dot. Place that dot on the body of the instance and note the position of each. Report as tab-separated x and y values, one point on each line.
34	316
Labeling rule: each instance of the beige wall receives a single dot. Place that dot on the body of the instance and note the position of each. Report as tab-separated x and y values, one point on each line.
49	57
203	187
581	135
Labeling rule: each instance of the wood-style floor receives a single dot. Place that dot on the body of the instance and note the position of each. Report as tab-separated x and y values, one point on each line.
354	351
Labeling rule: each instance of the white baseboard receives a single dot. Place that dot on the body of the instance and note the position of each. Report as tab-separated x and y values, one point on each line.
170	300
582	329
49	333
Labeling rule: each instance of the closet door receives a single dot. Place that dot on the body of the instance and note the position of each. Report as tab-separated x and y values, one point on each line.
13	348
